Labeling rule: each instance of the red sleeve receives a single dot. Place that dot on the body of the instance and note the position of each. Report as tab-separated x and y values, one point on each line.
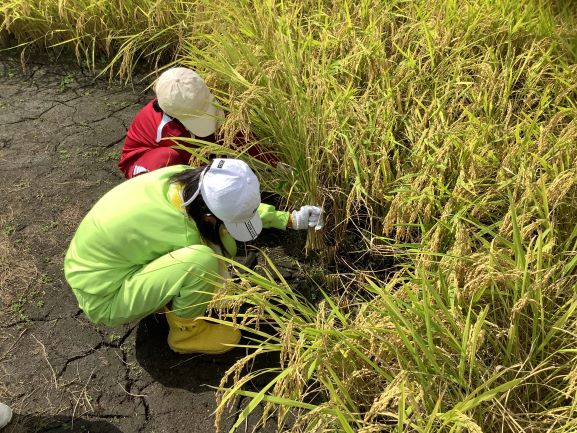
174	129
143	132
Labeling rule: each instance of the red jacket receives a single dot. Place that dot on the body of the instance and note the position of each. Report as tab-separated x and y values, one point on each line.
146	132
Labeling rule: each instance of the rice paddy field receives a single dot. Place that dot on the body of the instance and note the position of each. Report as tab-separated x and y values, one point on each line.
441	138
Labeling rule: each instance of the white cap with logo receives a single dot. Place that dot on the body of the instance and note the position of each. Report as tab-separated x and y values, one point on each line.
183	94
231	191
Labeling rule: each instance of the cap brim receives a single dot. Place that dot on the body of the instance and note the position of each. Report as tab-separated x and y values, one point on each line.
205	124
245	231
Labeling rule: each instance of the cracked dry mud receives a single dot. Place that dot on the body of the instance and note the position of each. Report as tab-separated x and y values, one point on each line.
60	136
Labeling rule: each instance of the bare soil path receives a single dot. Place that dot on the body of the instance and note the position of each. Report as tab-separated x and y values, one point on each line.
60	136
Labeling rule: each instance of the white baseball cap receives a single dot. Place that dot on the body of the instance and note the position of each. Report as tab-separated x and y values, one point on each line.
183	94
231	191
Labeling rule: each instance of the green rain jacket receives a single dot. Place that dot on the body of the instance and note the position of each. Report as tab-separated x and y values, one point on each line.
130	226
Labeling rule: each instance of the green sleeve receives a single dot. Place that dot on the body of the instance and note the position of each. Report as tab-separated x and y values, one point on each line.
272	218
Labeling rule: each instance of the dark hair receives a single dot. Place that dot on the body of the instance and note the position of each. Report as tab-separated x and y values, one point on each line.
196	210
156	106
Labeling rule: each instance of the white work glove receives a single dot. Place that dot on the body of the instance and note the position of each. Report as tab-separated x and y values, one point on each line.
307	216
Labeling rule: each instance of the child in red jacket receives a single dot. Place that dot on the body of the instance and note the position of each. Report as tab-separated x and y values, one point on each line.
184	107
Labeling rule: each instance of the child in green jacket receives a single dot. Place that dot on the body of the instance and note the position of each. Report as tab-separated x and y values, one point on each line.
153	241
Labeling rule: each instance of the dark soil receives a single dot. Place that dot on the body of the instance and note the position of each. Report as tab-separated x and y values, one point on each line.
61	131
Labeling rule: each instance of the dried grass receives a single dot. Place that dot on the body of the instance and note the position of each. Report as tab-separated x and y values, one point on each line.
18	272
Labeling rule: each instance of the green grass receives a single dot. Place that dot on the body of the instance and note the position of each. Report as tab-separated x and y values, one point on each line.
446	134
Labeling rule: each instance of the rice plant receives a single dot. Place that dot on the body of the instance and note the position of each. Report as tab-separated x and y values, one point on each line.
445	133
120	34
418	353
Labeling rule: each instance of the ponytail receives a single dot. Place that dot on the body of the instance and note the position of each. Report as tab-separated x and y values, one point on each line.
197	209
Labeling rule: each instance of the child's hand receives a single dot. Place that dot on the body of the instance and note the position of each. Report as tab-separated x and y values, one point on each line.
307	216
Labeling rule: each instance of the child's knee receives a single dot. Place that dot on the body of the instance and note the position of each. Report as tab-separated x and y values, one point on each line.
201	258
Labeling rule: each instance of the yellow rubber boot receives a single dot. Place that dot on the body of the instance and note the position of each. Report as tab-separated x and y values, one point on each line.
197	335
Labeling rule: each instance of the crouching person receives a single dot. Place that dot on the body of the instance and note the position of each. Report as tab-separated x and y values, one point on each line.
152	243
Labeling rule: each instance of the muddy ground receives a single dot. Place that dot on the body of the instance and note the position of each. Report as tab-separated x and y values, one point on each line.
61	131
